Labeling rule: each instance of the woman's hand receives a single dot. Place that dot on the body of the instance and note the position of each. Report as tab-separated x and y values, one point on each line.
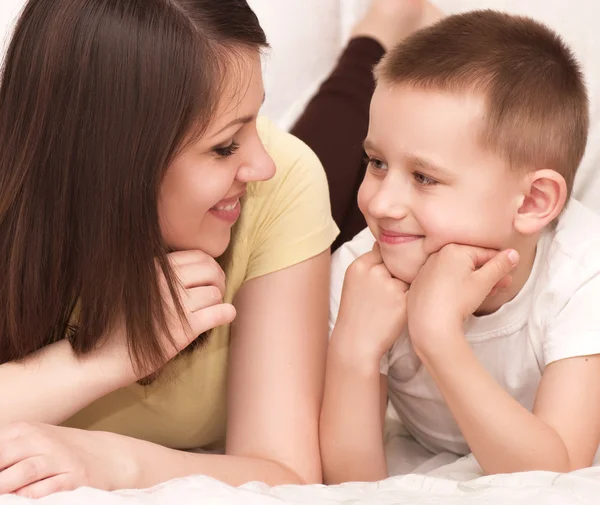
201	289
39	459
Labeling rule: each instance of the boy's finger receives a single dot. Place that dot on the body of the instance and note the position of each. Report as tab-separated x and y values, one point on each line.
505	282
497	268
480	256
373	257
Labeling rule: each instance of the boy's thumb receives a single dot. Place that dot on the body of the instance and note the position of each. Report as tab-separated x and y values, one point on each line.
497	268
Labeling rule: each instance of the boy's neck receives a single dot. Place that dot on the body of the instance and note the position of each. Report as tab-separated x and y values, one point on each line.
520	274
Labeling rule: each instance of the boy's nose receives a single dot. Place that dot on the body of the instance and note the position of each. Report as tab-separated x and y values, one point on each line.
389	203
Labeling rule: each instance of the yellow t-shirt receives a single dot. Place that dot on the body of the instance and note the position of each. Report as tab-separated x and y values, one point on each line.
285	221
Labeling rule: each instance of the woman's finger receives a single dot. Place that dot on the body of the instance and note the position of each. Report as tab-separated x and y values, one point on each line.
55	484
211	317
14	450
200	298
25	473
181	258
195	275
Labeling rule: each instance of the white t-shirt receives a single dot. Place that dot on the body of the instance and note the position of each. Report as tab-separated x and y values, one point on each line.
555	316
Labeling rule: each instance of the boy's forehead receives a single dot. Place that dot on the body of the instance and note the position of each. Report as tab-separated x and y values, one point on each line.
433	127
470	102
413	110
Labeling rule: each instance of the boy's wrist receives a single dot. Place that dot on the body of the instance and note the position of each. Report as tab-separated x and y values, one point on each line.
435	343
364	359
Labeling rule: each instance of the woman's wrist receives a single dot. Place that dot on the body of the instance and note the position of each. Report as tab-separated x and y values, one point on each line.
113	363
125	467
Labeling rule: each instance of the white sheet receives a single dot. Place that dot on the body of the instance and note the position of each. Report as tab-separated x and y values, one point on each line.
578	488
435	480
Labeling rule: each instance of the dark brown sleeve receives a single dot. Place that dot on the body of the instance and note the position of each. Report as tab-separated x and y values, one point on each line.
334	124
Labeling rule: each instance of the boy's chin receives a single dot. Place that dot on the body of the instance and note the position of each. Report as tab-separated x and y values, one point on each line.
402	274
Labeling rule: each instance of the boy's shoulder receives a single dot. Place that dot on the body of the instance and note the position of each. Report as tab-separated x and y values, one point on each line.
360	244
572	255
341	259
576	238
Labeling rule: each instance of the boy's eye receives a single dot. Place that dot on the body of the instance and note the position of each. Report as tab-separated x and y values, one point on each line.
423	180
226	151
377	164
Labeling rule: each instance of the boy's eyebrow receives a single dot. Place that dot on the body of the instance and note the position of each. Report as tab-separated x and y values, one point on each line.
414	160
368	145
431	167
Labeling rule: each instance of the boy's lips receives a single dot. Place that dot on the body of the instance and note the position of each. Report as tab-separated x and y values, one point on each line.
393	237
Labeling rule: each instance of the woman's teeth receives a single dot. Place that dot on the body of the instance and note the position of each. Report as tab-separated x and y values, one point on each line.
231	206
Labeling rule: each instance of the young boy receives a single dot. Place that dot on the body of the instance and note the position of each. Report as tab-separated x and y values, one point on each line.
473	301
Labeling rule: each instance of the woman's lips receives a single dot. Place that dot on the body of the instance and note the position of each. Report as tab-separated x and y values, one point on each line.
228	209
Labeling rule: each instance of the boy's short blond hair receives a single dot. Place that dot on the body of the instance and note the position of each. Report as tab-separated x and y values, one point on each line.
537	105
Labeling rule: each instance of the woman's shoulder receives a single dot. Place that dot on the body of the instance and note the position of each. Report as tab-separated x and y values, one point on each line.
286	219
293	158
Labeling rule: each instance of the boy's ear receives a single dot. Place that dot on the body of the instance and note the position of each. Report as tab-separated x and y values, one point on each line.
544	196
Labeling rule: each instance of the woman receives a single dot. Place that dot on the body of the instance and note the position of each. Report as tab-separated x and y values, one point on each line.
130	145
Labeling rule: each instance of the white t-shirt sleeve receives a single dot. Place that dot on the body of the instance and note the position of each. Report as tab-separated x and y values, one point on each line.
576	330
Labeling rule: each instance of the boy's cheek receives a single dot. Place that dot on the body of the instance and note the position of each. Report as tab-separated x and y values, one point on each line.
404	268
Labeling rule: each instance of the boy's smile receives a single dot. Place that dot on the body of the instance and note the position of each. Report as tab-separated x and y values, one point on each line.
429	182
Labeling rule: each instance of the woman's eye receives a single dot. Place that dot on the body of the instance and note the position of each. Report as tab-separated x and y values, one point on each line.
423	180
226	151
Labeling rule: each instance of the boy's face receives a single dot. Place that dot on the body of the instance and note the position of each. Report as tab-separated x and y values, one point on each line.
429	183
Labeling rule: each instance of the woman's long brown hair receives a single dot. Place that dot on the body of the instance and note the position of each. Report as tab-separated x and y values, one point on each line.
96	98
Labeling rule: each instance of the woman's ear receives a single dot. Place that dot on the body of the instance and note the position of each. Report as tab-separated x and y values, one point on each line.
544	196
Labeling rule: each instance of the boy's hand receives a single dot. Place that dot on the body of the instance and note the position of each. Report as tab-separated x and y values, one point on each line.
451	286
372	308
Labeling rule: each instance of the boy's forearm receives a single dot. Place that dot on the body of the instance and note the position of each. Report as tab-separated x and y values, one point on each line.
503	436
352	446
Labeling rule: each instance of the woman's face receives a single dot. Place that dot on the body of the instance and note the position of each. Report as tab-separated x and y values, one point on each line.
200	196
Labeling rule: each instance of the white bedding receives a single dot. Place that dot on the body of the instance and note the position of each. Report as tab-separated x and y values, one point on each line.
434	480
300	58
443	488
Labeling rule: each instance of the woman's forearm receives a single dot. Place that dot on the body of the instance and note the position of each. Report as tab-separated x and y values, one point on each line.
153	464
53	384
